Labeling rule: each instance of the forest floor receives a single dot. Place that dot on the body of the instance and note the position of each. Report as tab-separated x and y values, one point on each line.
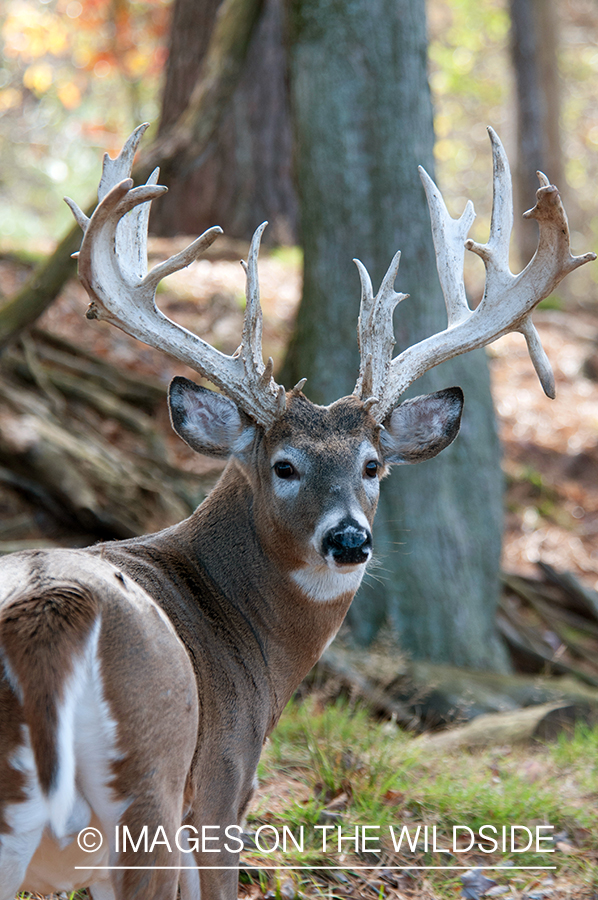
330	765
551	470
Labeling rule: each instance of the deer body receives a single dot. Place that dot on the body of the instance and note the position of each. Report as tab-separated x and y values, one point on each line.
217	640
139	679
224	614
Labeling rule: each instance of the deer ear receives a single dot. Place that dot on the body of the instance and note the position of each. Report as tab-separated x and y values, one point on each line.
418	429
209	422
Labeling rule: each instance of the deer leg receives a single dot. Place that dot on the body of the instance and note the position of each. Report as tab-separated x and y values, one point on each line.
216	874
149	884
16	851
152	856
23	820
189	884
220	884
189	877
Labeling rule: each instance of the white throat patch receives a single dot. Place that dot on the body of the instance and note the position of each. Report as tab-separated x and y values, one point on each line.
322	583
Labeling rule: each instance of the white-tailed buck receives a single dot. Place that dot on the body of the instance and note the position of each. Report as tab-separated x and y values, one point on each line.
139	679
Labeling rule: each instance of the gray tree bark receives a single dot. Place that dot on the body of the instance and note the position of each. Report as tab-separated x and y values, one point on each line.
363	122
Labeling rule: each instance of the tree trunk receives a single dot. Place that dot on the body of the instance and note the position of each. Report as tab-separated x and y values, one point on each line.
534	54
244	176
190	31
363	122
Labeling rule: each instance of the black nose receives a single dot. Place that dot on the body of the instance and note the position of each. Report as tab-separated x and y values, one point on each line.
348	543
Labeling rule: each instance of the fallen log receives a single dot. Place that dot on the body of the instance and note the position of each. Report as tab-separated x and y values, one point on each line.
547	614
357	685
83	480
105	402
549	604
582	598
521	726
7	547
421	695
549	627
146	392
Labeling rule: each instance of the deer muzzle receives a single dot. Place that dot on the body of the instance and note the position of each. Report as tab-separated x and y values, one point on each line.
347	543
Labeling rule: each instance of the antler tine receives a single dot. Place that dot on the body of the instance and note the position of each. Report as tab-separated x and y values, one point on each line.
252	324
81	219
116	170
538	357
496	252
508	299
112	267
375	332
250	351
449	236
364	323
132	236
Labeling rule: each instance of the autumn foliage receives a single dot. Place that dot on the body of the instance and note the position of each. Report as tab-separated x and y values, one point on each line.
59	48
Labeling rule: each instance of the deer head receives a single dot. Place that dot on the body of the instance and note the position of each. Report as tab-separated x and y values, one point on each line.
268	430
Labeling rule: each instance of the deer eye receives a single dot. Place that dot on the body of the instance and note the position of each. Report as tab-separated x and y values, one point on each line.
285	469
371	468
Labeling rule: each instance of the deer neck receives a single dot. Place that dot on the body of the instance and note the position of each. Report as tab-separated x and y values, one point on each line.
215	558
222	536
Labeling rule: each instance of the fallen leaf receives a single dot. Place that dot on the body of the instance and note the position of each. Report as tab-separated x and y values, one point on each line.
393	798
475	884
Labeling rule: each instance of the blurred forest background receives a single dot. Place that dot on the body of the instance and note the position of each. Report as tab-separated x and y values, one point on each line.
85	446
77	75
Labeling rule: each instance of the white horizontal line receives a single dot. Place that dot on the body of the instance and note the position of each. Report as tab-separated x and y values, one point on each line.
320	868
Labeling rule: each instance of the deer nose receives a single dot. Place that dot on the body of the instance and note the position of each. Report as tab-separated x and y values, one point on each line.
348	543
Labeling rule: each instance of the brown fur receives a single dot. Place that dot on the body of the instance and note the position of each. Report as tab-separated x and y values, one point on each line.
305	423
41	632
12	781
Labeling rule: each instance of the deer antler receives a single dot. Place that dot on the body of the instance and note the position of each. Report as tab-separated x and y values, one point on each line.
508	299
113	269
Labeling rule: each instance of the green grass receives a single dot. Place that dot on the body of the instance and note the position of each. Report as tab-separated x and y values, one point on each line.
337	766
289	256
553	302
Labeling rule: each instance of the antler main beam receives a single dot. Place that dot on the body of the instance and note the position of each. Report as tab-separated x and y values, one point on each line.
113	269
508	299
